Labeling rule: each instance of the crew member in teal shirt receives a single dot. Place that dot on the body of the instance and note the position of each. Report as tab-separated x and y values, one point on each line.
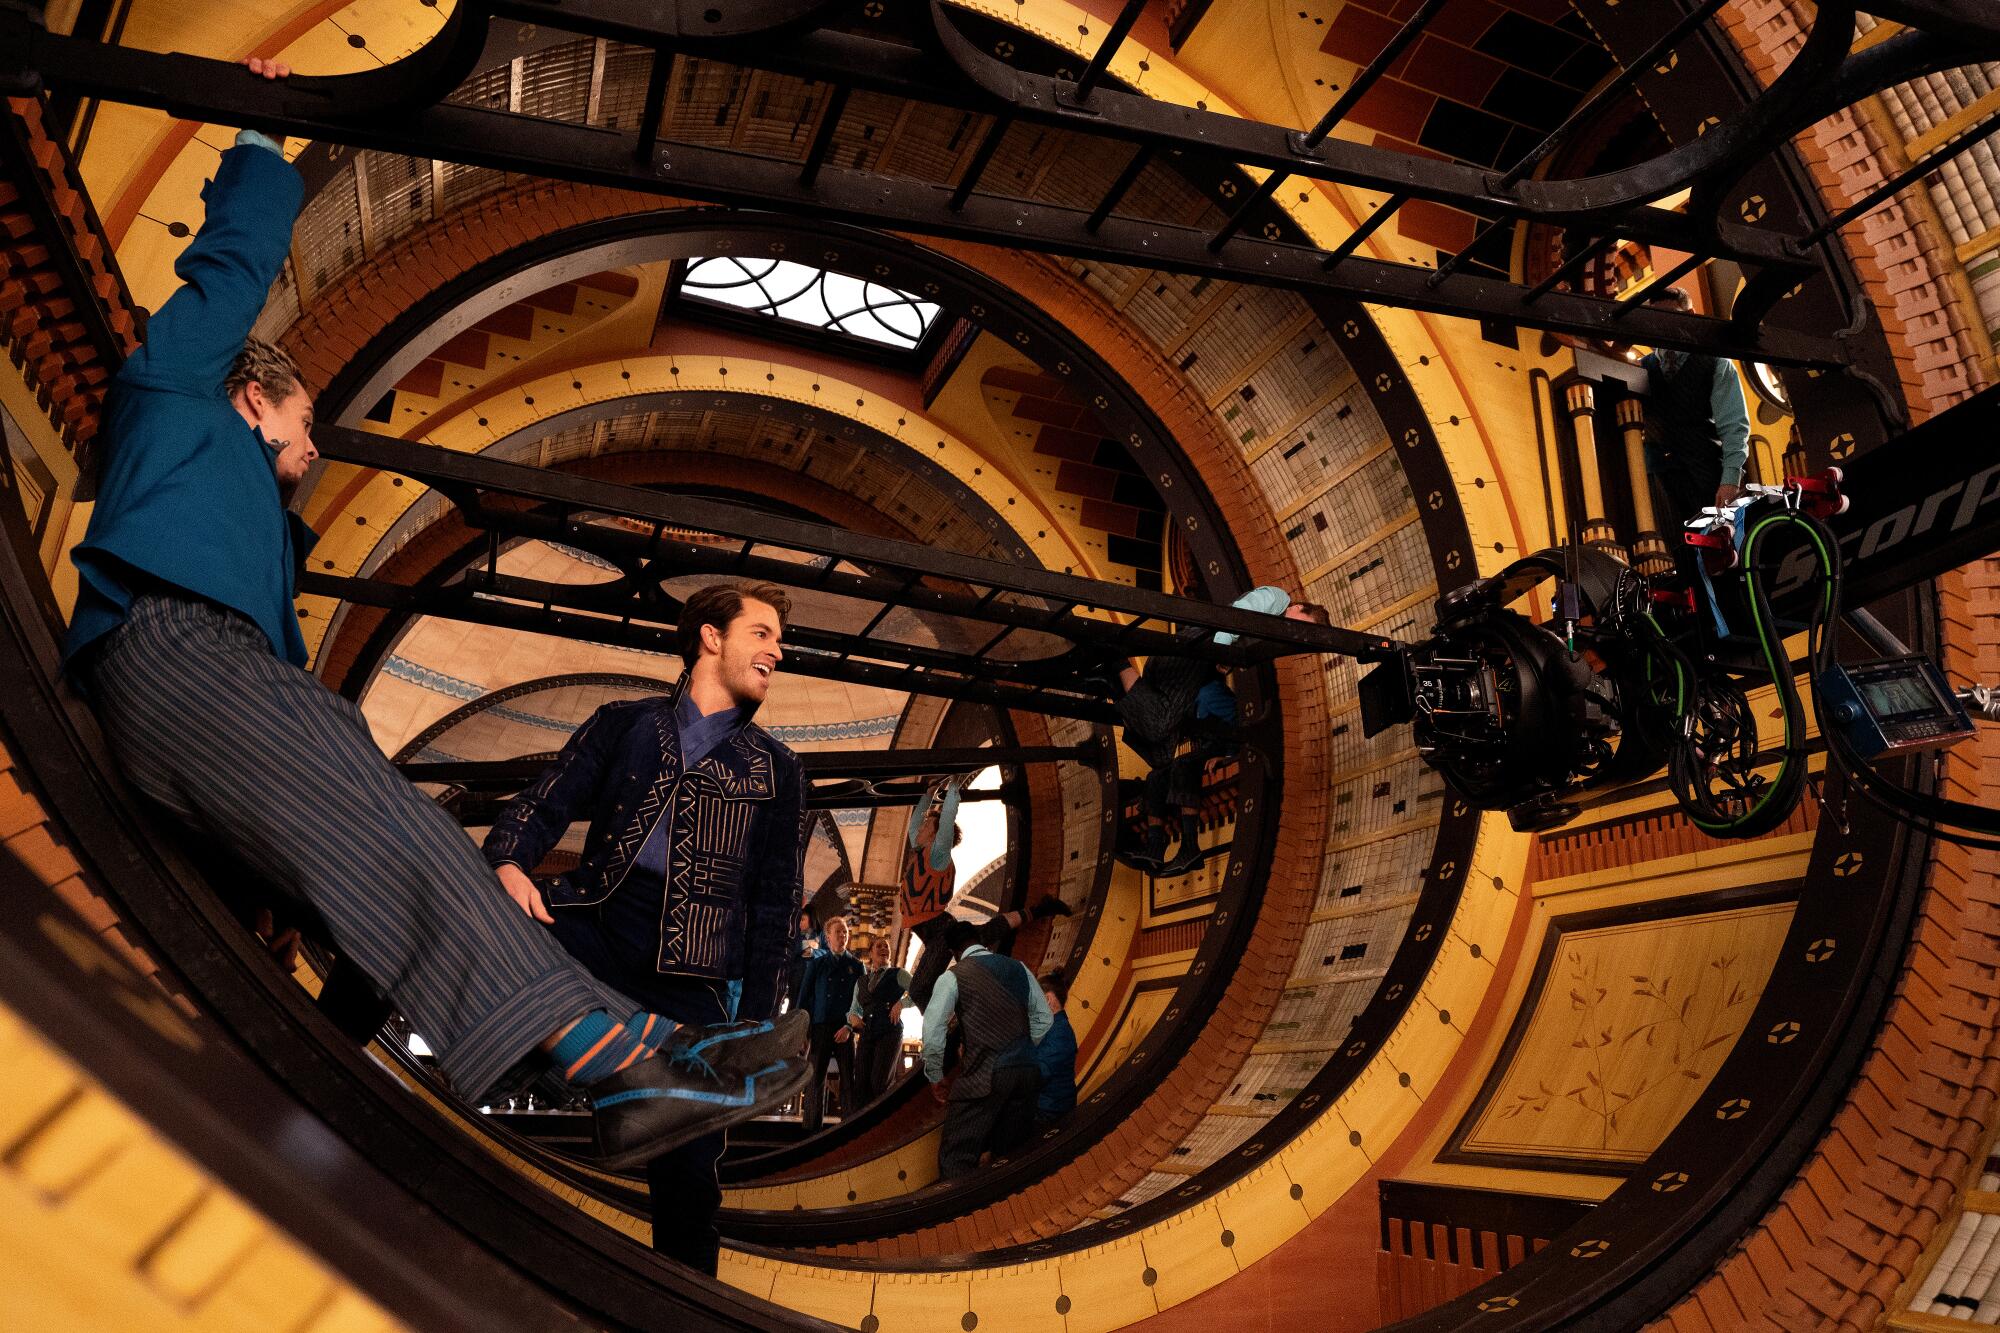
1697	430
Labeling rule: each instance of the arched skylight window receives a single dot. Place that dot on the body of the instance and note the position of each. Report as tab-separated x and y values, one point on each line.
811	296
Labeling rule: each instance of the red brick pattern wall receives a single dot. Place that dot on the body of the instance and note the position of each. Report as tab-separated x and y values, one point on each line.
1901	258
1633	842
40	325
1847	1233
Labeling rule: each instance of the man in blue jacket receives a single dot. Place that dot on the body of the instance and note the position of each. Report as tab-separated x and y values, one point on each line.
187	645
823	998
688	887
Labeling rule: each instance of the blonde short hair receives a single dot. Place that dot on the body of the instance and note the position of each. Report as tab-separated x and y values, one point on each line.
271	367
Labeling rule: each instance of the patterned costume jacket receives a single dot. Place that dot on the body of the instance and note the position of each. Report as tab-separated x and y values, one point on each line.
735	846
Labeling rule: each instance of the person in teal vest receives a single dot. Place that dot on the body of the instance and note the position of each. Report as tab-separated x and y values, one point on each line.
186	644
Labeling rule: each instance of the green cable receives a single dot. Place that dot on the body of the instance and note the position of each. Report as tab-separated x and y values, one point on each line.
1780	676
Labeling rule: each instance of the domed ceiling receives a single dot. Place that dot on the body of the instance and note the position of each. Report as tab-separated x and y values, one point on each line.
1369	1012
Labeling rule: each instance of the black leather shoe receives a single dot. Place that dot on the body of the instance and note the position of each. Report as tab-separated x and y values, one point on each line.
1049	905
661	1103
743	1047
1186	857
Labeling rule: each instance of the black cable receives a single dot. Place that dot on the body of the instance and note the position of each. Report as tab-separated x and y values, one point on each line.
1939	817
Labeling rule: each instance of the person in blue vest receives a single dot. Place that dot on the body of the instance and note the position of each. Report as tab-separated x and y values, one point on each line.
186	645
875	1015
828	988
1055	1057
688	885
1697	428
990	1104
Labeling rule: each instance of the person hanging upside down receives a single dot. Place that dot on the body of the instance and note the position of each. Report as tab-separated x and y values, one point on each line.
1157	709
187	646
924	898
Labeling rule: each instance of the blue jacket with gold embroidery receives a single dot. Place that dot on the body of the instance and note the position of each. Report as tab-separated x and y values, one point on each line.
735	843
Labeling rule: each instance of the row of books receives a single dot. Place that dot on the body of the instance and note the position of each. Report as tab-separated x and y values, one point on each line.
1984	273
1966	187
1921	105
1965	1281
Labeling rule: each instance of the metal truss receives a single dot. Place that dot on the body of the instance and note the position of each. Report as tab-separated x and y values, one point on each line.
841	779
966	609
400	109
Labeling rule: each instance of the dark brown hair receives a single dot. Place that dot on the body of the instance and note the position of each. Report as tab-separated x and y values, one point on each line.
1054	984
717	605
1316	613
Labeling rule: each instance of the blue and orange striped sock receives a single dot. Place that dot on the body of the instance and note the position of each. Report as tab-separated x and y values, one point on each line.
598	1045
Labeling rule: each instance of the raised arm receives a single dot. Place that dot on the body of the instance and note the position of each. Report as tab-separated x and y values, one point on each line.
947	829
917	813
774	885
226	272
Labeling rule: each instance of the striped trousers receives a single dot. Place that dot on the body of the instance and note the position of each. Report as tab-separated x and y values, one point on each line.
260	756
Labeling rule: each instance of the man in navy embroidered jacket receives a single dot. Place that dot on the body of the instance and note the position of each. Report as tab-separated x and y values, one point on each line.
722	838
688	889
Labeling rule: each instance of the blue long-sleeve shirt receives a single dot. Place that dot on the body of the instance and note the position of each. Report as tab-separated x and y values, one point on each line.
1265	600
188	492
944	1003
940	851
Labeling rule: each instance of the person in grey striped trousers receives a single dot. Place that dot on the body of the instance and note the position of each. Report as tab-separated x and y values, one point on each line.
185	640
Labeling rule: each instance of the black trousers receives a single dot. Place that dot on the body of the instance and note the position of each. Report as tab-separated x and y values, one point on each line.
825	1048
686	1194
875	1063
999	1122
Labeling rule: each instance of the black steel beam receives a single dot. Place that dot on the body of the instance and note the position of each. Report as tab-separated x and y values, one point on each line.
1106	49
636	600
588	627
836	104
513	774
461	475
1127	177
326	108
981	157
